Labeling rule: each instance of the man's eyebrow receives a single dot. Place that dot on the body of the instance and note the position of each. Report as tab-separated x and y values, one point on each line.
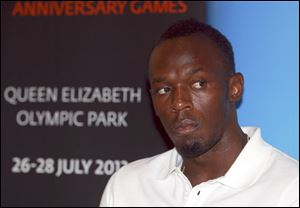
158	79
189	72
192	71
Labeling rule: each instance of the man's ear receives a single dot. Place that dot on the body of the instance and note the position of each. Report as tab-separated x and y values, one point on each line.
236	85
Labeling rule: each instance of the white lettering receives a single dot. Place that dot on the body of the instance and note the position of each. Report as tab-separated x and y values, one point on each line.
15	95
109	119
102	95
46	118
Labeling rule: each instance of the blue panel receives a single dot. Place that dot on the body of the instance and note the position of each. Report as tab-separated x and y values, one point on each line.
265	38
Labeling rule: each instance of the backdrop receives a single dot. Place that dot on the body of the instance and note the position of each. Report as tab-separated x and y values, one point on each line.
74	99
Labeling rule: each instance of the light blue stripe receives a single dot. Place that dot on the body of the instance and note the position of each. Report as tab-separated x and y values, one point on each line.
265	38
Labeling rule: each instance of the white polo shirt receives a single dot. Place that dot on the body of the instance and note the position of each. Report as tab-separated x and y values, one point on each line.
260	176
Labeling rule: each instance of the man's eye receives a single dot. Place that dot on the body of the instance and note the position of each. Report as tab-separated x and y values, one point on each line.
164	90
199	84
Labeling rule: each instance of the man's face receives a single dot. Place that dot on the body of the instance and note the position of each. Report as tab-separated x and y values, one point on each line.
189	88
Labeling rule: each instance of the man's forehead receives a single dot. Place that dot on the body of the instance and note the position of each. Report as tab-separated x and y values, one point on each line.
182	51
160	76
193	46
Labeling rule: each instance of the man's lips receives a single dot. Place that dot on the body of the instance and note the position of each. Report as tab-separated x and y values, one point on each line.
185	126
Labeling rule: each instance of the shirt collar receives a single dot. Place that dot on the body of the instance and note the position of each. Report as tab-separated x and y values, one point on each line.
175	162
244	170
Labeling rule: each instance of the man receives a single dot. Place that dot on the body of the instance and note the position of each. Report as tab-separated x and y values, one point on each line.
215	162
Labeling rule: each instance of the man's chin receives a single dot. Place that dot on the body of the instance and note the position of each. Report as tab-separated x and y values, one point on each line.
191	150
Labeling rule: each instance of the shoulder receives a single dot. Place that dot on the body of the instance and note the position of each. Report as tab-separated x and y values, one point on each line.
128	181
147	167
283	164
150	168
282	174
287	171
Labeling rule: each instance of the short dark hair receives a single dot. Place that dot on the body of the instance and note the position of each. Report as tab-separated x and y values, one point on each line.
191	26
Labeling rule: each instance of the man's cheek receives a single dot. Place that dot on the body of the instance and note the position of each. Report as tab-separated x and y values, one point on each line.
164	118
160	110
157	109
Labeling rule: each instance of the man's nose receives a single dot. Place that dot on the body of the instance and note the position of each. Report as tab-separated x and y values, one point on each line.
181	100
